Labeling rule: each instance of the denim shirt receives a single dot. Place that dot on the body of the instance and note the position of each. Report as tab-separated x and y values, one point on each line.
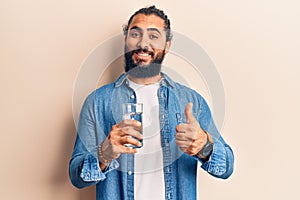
102	110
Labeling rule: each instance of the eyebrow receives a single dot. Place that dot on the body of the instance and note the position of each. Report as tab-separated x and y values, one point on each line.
148	29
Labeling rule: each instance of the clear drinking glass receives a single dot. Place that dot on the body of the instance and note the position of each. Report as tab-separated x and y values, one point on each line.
133	111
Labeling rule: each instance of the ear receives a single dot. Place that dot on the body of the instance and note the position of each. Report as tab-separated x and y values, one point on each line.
168	45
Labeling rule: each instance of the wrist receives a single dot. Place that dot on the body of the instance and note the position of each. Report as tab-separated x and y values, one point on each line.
102	159
207	149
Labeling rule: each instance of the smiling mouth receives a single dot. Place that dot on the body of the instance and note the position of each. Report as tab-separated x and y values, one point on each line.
143	55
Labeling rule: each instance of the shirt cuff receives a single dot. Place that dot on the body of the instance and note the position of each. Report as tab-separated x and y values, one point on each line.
216	164
91	170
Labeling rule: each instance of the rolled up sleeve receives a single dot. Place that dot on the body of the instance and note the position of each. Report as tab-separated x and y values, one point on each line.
84	166
220	163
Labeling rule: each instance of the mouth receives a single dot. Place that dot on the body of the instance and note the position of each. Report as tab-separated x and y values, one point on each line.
143	55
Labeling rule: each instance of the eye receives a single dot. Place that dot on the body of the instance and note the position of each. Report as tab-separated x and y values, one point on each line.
153	36
135	34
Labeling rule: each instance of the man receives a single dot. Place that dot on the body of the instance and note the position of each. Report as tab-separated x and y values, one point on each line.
178	129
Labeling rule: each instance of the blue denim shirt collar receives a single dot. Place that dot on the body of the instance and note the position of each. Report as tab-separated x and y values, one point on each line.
165	81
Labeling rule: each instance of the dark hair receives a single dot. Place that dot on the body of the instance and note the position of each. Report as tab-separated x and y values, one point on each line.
152	10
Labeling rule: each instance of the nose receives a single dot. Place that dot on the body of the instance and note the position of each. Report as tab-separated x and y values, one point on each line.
144	42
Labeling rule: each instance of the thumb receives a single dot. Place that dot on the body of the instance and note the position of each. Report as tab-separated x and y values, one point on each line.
189	113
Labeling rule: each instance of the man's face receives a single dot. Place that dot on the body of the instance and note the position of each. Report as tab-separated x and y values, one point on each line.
145	45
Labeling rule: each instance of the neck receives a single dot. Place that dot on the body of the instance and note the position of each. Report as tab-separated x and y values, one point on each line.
145	81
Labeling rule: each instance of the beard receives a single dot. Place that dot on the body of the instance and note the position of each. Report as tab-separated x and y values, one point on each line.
143	71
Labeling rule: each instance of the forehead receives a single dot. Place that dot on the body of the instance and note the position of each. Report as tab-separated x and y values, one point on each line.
146	21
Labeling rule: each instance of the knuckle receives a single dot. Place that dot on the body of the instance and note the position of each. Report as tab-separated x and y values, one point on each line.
114	143
127	121
112	137
115	126
193	128
195	137
127	139
193	146
126	130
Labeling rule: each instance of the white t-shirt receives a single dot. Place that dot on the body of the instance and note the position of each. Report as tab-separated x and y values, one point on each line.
148	163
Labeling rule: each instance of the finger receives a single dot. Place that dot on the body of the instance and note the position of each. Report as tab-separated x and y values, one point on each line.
129	131
133	123
127	150
181	136
181	128
188	136
189	113
182	147
186	128
130	140
130	122
183	144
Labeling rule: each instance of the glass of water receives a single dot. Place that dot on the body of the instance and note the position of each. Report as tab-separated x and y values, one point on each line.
133	111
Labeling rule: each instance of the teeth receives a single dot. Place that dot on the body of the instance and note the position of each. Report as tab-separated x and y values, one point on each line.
143	54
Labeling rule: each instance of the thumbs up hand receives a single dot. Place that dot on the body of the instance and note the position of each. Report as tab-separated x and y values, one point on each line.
190	138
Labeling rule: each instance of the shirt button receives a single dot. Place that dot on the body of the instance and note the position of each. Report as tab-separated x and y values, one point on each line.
129	173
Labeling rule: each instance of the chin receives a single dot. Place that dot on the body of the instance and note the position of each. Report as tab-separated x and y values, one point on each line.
142	63
144	71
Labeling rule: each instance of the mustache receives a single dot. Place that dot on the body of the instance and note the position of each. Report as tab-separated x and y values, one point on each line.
142	50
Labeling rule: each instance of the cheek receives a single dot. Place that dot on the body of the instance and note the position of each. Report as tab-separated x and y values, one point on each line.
158	49
159	52
131	43
159	45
